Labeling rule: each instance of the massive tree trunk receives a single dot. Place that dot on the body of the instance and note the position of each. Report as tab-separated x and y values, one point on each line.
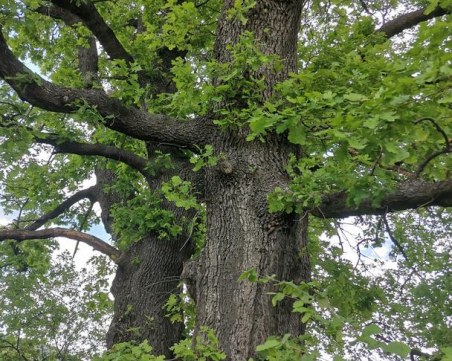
241	233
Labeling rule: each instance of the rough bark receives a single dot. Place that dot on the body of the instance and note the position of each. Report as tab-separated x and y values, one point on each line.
148	272
241	233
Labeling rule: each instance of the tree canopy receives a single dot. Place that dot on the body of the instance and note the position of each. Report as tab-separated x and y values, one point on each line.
275	177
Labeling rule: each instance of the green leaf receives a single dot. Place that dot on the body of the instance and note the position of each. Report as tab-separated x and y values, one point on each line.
447	351
357	143
269	344
371	329
355	97
431	6
398	348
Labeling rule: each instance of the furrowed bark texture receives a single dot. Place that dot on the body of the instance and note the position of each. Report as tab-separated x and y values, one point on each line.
241	233
148	272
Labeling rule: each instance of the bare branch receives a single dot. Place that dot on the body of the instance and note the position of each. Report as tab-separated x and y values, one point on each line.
409	20
96	243
365	7
130	121
97	149
81	225
89	193
410	195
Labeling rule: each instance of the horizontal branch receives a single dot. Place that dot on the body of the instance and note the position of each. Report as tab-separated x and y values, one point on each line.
96	243
409	20
89	193
97	149
410	195
88	14
136	123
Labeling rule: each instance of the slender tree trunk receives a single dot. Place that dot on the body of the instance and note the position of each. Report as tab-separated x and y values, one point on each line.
241	233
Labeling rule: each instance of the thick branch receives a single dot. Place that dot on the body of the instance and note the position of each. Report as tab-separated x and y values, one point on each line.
87	12
406	21
107	151
58	13
410	195
96	243
130	121
89	193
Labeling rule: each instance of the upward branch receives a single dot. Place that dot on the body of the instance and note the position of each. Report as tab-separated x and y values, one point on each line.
406	21
89	193
87	12
130	121
87	56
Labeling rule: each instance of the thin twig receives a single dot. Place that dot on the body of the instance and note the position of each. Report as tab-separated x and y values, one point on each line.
394	240
82	224
447	148
365	7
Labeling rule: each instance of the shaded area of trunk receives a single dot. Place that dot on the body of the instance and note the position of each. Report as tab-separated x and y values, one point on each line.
146	277
149	271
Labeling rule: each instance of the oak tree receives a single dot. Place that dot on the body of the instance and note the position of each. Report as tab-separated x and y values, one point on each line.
228	140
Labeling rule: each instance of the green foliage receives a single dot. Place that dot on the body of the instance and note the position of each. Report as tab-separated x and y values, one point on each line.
127	351
205	158
365	111
48	309
181	308
284	349
141	215
204	347
179	191
335	309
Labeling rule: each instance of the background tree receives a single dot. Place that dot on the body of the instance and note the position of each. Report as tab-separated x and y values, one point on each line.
243	112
